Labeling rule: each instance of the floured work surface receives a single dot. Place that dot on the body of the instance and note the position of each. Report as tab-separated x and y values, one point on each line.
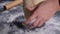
7	27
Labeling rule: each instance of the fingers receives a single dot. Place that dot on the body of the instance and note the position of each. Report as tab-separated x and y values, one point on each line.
30	18
36	22
41	23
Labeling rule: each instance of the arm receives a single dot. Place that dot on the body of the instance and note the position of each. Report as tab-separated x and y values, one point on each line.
12	4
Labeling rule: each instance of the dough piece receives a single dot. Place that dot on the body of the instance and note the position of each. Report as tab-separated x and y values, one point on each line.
35	2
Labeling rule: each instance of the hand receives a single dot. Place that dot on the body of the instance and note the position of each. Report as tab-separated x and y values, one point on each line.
43	13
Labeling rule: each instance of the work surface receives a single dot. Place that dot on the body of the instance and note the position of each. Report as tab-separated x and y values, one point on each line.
7	27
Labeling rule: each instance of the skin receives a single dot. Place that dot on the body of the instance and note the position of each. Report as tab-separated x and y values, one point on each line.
43	13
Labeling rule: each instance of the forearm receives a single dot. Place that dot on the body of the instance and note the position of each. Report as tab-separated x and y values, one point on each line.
12	4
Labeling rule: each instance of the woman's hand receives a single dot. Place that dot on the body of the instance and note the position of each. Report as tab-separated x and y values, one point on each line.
43	13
